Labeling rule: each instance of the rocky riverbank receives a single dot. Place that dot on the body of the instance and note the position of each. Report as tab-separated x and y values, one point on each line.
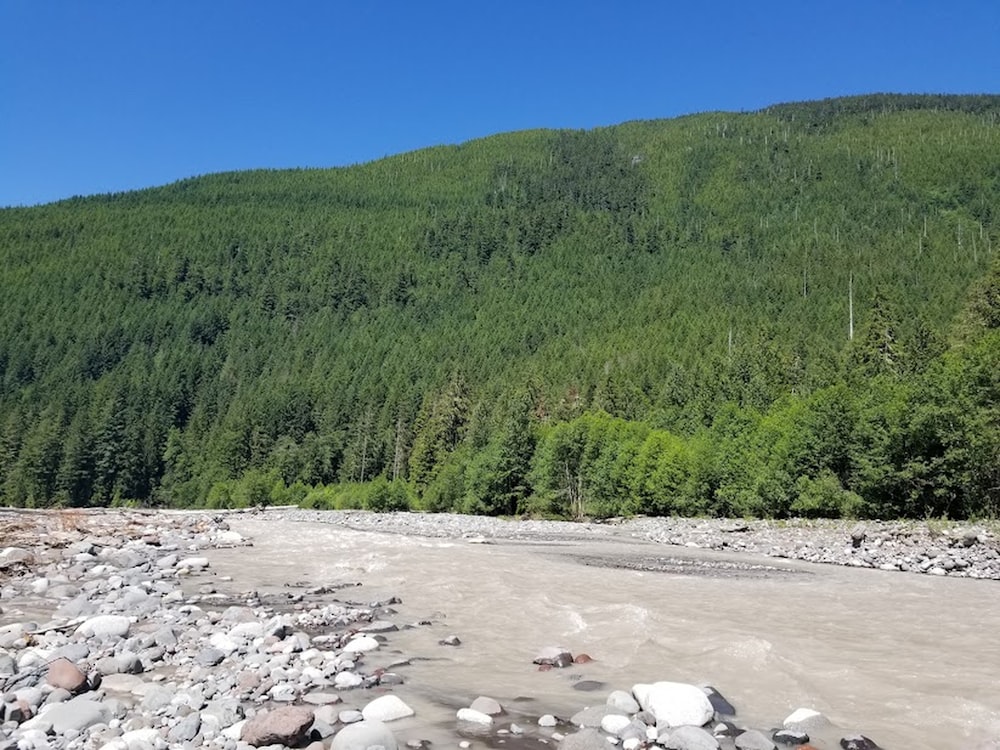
942	548
115	634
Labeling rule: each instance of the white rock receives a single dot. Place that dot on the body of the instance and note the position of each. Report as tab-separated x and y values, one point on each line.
614	723
674	704
235	731
364	735
345	680
193	563
360	644
147	735
105	625
386	708
229	537
474	717
224	643
805	719
547	720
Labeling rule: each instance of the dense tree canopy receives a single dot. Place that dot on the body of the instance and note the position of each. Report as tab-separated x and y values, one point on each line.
793	311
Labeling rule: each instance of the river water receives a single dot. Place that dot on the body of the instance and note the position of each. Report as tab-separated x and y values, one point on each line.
910	661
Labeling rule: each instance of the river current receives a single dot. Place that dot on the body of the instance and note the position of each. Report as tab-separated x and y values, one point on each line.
910	661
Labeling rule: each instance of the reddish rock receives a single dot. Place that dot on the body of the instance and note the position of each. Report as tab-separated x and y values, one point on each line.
66	675
582	659
288	725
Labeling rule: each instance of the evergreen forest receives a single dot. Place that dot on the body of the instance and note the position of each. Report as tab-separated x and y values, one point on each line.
788	312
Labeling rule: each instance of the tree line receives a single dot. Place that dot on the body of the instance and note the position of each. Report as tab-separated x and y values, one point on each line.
649	318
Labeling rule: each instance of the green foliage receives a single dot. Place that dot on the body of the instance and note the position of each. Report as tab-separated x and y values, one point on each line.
674	294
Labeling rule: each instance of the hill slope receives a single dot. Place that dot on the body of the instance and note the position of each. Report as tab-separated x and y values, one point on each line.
392	319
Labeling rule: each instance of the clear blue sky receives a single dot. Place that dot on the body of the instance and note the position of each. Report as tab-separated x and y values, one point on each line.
99	96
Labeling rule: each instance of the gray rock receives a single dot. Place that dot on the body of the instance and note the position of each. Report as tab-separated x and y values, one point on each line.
858	742
790	737
75	715
592	716
365	735
690	738
623	701
585	739
210	657
185	730
486	705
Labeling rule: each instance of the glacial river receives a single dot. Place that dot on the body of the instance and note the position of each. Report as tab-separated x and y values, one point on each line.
911	661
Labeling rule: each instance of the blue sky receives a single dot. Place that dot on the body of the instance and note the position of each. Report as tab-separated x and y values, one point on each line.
99	96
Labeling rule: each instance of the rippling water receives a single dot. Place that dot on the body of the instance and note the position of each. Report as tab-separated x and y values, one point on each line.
911	661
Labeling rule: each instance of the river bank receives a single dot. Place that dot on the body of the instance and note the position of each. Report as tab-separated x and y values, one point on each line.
180	629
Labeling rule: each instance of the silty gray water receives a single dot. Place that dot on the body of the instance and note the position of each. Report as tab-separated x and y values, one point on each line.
908	660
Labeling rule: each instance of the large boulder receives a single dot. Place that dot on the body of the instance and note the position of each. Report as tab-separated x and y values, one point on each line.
66	675
674	704
287	725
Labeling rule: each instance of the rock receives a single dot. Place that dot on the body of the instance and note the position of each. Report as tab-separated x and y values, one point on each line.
105	626
75	715
593	716
615	723
346	680
185	730
754	740
720	704
547	720
690	738
361	644
380	626
790	737
386	708
210	656
320	698
66	675
858	534
451	640
623	701
674	703
487	706
805	720
193	563
554	656
287	725
350	716
474	717
585	739
365	735
858	742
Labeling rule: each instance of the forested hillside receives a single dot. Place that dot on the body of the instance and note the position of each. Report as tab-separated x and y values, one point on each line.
788	312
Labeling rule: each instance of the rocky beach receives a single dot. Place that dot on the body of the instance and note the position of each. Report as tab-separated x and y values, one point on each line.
118	632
